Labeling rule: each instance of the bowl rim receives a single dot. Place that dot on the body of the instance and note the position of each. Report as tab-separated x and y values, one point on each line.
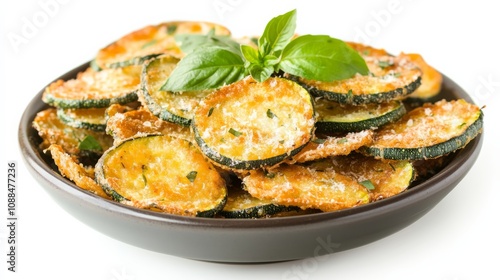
34	158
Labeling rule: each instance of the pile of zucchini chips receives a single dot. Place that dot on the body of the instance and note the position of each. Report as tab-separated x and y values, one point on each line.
285	146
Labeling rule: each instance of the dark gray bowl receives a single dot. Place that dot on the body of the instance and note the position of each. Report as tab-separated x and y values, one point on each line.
239	240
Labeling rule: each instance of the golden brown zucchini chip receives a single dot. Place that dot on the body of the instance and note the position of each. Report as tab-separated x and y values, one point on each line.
70	168
248	125
240	204
307	187
137	123
151	41
333	146
390	78
164	173
430	131
387	178
91	118
431	78
78	142
93	89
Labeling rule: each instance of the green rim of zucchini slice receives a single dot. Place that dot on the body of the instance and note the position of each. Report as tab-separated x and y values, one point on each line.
248	125
162	173
151	41
172	107
93	89
241	205
390	78
307	187
91	118
430	131
334	117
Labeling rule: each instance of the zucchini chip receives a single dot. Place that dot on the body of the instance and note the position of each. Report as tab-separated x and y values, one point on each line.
388	178
162	173
430	131
307	187
172	107
391	78
70	168
248	125
431	78
333	146
334	117
93	89
151	41
137	123
240	204
91	118
78	142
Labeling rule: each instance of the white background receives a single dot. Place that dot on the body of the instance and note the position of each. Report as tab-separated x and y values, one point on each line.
458	239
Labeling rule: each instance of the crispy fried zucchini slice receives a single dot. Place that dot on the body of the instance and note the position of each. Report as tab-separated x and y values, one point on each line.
172	107
70	168
151	41
91	118
306	187
430	131
248	125
163	173
391	78
388	178
93	89
240	204
431	78
334	117
136	123
320	148
53	131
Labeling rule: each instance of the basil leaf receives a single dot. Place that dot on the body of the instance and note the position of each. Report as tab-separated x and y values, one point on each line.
261	73
206	68
191	42
278	33
89	143
250	54
321	58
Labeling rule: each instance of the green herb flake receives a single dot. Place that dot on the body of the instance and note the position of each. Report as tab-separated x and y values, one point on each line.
171	29
89	143
269	175
392	166
319	141
191	176
270	114
384	64
342	140
149	44
235	132
210	111
367	184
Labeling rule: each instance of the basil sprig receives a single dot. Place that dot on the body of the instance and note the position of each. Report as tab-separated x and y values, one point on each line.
214	61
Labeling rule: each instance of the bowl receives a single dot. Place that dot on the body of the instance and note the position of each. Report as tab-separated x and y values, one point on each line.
244	240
